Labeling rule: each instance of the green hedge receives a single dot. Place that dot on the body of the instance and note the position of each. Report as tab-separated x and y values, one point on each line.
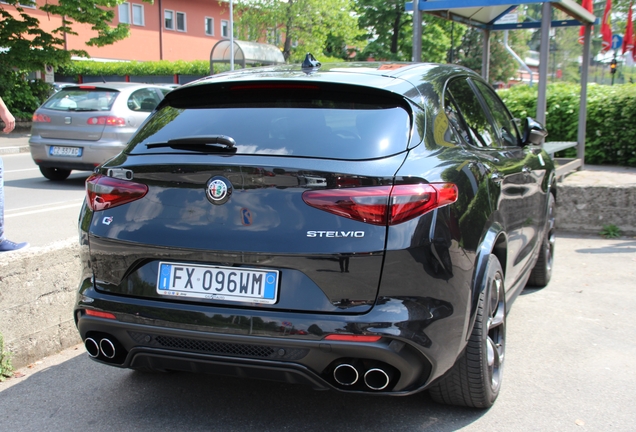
611	118
163	67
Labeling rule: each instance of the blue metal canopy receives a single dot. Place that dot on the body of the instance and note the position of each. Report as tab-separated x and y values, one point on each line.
485	14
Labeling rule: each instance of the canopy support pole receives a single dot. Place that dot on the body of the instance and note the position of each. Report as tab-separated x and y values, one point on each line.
580	148
544	57
485	57
417	34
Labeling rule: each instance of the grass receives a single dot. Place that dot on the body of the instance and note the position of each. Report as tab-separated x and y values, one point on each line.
610	231
6	368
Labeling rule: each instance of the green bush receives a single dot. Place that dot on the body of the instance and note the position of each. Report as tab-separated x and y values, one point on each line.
611	118
22	97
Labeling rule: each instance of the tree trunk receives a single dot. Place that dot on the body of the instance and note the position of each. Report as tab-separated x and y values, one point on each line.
396	27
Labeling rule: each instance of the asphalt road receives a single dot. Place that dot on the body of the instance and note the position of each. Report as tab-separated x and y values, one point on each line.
38	210
569	367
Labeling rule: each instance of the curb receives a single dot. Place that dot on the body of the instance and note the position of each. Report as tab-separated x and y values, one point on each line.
14	150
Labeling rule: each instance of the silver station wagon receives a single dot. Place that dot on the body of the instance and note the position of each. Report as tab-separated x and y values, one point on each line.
82	126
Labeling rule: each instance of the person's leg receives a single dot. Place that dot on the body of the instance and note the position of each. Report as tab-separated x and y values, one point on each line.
1	200
6	245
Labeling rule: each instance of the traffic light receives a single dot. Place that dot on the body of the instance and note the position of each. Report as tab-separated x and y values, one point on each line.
613	66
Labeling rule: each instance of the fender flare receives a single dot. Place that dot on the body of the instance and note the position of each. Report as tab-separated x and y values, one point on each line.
486	248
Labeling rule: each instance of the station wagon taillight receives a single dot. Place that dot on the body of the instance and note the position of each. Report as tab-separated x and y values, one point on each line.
383	205
106	121
104	192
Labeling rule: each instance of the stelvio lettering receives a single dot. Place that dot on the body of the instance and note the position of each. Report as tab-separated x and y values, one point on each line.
335	234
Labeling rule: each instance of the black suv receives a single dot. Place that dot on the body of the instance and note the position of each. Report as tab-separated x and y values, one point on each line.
363	227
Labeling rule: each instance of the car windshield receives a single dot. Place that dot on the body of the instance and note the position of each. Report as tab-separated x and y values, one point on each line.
352	131
78	99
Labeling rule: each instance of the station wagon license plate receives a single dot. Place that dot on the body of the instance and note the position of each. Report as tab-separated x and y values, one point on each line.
65	151
218	283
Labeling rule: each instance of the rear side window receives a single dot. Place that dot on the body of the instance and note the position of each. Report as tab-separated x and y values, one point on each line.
77	99
321	128
480	132
145	100
501	116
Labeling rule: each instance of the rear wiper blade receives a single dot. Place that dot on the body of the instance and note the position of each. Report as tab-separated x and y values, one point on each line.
199	143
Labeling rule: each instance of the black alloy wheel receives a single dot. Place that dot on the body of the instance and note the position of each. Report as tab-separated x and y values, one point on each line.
475	379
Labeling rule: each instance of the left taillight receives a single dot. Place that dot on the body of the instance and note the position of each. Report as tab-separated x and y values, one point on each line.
383	205
41	118
104	192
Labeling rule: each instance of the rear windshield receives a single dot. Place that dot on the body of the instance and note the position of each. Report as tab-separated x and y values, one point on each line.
82	100
323	129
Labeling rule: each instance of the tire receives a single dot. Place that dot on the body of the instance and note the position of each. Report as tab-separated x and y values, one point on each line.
475	379
55	174
542	271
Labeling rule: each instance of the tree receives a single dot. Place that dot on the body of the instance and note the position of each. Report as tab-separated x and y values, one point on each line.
30	48
26	47
389	30
502	65
298	26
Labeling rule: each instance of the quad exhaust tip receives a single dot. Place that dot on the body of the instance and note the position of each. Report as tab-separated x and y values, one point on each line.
91	347
345	374
107	348
377	379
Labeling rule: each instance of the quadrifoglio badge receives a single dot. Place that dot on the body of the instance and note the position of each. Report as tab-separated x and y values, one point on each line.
218	190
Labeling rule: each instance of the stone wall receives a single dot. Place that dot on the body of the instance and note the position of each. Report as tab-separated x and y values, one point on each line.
37	292
586	209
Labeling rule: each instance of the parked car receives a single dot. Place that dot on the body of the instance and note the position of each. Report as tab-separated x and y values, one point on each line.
81	126
358	227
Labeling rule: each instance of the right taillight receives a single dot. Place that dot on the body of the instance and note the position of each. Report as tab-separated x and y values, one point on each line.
106	121
383	205
104	192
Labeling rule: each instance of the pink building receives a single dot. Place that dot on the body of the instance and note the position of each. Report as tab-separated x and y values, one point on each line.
165	30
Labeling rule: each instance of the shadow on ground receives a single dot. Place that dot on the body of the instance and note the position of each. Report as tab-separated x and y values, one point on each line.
80	394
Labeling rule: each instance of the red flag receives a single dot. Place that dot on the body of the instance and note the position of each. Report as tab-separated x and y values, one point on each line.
587	4
606	27
628	42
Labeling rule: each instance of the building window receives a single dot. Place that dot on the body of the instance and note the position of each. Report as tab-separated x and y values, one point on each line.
168	16
209	26
124	13
225	29
138	14
181	21
26	3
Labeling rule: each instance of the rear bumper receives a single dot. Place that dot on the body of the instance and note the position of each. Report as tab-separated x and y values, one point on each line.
94	153
297	358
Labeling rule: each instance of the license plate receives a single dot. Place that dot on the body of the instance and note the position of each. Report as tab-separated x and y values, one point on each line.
65	151
218	283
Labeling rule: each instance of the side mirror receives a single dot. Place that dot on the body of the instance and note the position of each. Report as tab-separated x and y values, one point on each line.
533	132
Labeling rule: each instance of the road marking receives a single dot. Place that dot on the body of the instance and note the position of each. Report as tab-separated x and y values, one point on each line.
20	170
43	210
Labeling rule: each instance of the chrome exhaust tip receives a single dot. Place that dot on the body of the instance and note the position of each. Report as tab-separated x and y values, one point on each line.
91	347
377	379
345	374
107	348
